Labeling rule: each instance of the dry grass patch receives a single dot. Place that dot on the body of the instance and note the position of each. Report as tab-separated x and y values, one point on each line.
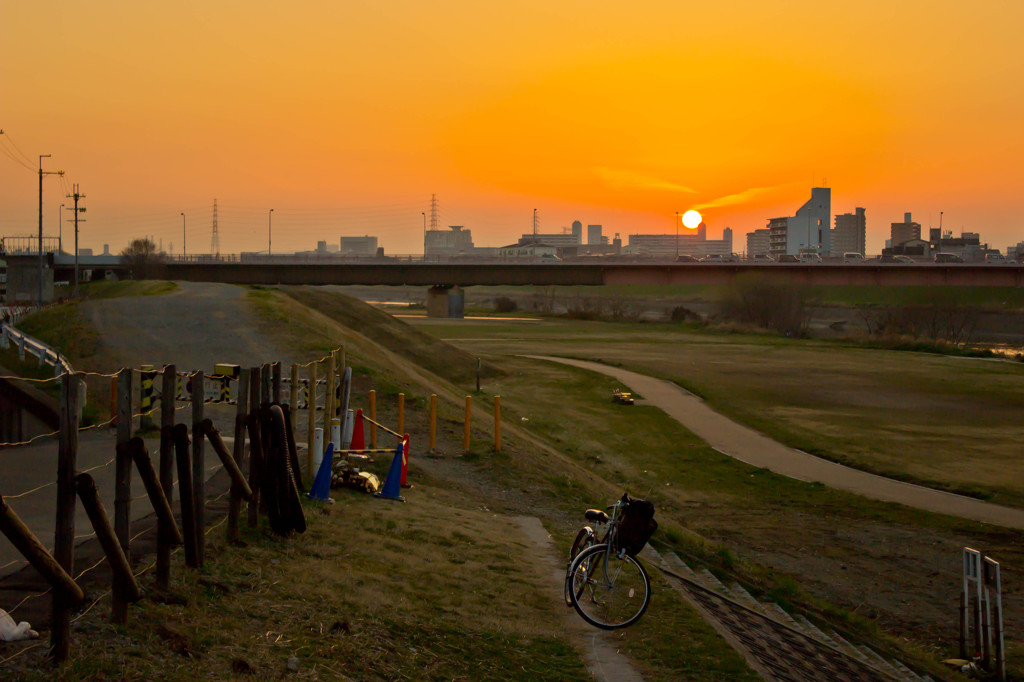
374	590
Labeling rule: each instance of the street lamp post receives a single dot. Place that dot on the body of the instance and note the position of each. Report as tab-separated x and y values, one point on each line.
183	252
677	235
270	216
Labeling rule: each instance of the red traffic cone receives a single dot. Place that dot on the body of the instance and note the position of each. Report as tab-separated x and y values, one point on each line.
358	440
405	460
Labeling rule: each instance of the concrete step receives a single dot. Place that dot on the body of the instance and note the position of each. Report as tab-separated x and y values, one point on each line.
745	598
709	581
778	613
905	672
677	565
877	660
849	648
813	630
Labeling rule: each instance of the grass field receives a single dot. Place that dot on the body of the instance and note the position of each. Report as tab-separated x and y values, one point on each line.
944	421
443	584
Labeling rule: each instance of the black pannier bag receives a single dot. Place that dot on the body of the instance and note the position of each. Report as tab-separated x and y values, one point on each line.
636	525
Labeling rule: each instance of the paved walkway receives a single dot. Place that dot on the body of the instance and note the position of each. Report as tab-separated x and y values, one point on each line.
747	445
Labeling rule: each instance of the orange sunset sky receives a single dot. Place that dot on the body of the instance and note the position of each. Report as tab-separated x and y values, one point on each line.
345	116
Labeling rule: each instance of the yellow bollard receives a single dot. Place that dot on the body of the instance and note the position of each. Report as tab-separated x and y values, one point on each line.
373	416
433	422
401	413
497	423
465	435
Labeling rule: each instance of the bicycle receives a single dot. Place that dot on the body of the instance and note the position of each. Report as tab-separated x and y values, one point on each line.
606	585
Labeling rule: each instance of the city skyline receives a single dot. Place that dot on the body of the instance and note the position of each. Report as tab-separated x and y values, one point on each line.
345	125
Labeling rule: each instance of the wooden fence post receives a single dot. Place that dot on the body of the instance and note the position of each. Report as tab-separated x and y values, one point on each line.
329	396
255	444
163	547
199	462
33	550
497	423
125	587
293	392
310	421
433	423
164	514
185	493
64	530
276	390
265	391
122	489
465	434
242	403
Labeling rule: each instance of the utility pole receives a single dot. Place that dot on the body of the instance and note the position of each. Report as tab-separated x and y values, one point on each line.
535	222
76	196
270	216
41	174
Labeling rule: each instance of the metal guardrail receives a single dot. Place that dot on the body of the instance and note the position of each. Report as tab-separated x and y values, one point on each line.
26	344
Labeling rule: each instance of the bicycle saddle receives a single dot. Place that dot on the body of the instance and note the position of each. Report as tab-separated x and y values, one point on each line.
596	515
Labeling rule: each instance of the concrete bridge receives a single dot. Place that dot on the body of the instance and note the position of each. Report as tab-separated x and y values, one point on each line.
457	274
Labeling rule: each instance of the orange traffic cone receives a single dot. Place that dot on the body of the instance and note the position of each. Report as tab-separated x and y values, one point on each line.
405	460
358	440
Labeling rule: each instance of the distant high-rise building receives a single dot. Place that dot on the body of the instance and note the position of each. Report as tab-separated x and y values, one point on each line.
850	233
757	242
691	243
808	230
358	246
448	242
594	234
560	239
577	231
905	231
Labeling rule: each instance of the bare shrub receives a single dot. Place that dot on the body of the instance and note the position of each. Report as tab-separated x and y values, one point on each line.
941	320
621	309
683	314
754	299
583	308
504	304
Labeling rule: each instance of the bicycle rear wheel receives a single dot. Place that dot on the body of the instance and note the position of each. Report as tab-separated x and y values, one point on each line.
584	539
607	590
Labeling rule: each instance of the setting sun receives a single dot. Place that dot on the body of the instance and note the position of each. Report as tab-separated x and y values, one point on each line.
691	219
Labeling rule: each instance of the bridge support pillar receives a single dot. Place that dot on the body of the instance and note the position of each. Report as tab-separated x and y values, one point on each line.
446	301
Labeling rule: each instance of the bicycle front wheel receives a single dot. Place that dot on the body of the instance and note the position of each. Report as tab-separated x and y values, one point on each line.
607	590
584	539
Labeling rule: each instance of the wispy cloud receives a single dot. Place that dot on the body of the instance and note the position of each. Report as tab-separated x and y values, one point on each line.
739	197
626	179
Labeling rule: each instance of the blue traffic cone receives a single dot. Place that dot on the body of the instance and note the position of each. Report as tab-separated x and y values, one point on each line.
393	484
321	488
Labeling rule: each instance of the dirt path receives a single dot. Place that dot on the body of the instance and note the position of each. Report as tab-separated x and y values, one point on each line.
749	446
604	662
194	327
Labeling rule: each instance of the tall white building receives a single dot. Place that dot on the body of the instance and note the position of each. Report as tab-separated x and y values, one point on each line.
808	230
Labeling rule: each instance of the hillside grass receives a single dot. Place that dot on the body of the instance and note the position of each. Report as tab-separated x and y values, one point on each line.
944	421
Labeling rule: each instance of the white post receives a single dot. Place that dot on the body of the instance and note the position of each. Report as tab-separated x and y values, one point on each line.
318	449
336	433
346	436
